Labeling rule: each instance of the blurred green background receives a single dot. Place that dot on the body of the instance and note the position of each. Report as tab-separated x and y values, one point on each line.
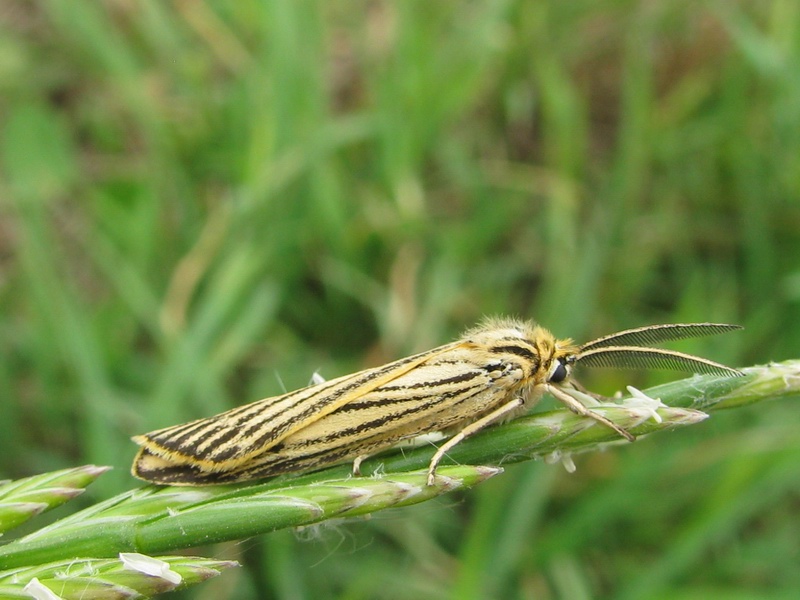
204	202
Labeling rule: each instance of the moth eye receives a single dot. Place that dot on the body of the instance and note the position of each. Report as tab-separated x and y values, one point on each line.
559	372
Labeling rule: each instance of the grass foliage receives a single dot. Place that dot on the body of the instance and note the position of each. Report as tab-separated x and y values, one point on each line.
202	203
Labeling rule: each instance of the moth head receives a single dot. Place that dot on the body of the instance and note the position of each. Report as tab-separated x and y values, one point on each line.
551	359
542	357
555	357
562	361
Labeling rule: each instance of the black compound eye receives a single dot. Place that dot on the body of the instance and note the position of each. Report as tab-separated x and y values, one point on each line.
560	372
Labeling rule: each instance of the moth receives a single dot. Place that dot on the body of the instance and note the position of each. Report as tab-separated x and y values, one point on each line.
493	373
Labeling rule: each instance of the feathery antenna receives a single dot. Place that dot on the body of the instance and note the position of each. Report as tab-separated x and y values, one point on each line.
655	334
623	349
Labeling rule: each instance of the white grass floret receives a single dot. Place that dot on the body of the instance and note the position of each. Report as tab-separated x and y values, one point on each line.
644	404
37	590
150	566
565	458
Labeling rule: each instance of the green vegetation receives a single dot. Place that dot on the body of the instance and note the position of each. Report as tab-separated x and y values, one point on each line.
201	204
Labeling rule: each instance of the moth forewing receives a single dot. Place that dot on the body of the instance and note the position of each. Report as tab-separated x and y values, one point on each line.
232	438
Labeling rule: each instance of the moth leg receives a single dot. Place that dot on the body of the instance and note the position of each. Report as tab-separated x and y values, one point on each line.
357	464
578	408
469	430
599	397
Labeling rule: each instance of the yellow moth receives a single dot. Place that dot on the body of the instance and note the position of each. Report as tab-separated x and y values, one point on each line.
494	372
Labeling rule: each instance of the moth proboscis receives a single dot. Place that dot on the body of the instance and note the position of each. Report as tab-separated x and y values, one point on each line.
493	373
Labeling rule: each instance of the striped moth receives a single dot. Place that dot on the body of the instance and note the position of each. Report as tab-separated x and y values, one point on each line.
494	372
